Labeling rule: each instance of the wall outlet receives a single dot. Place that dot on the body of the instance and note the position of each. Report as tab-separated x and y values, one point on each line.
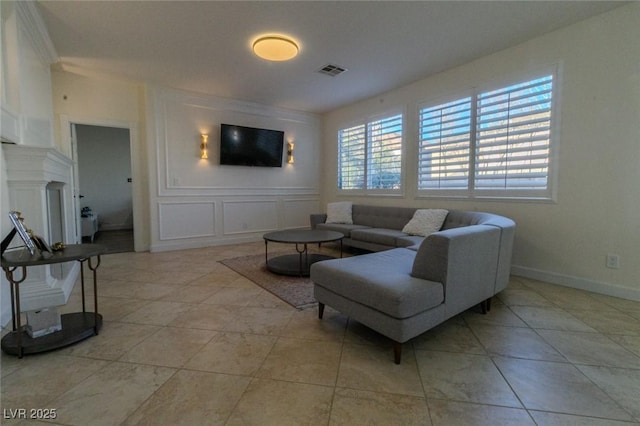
613	261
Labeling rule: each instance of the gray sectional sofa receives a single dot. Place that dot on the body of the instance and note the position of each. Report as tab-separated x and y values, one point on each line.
374	228
405	290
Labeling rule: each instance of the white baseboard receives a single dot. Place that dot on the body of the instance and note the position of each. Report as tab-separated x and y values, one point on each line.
115	227
607	289
186	245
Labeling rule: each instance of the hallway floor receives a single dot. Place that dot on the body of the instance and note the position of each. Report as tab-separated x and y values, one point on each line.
119	241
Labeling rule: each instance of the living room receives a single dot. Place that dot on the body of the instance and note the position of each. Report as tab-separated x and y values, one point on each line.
182	202
570	249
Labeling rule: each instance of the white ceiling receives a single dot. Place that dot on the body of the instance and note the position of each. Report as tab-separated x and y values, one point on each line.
204	46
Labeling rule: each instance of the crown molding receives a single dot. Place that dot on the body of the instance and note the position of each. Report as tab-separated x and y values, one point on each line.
36	29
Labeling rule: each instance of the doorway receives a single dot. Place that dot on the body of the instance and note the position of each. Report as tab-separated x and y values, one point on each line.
105	186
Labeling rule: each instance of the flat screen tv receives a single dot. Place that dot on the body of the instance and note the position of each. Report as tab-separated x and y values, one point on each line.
248	146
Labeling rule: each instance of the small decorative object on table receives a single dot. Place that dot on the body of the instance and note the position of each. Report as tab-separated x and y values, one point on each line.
59	246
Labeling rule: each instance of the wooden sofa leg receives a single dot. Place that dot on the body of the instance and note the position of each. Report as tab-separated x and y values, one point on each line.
320	310
485	306
397	352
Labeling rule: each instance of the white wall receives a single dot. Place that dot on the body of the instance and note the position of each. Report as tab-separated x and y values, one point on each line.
104	167
198	202
85	98
26	110
599	151
26	117
181	201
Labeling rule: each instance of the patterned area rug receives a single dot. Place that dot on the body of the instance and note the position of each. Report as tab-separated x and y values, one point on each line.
296	291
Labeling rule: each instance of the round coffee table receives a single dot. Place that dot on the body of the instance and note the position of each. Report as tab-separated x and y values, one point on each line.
298	264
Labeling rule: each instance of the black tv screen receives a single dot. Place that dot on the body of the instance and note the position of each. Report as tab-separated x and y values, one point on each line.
248	146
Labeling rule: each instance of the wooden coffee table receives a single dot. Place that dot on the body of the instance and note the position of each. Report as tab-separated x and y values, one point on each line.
298	264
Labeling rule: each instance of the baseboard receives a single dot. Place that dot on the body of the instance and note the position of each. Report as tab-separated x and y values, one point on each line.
607	289
187	245
116	227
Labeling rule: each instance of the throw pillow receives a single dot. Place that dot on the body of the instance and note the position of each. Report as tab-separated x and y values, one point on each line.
339	212
425	222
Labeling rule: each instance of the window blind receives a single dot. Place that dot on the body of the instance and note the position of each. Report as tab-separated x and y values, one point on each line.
351	157
513	136
444	145
384	157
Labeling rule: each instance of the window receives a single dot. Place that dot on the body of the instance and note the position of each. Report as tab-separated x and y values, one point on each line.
445	141
495	143
370	155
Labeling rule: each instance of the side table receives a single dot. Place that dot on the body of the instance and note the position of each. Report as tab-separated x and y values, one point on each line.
75	326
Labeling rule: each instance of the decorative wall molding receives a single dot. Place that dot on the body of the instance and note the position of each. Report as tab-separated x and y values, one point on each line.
243	202
181	220
181	117
260	215
249	216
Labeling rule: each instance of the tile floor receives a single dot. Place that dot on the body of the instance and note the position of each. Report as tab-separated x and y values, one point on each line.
187	341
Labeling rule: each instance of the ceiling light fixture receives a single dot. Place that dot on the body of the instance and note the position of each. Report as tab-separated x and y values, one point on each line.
275	48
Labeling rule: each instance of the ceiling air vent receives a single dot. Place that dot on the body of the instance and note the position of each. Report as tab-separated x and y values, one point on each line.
332	70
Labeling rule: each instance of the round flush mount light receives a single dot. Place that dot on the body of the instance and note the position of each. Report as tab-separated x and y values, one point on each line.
275	48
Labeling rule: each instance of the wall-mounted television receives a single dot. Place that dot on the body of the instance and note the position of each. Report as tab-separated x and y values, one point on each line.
248	146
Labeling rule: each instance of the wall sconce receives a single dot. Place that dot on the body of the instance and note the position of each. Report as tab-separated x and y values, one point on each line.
290	146
204	154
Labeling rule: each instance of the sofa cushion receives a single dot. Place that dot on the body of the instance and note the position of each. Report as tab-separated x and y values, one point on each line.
340	212
339	227
381	281
382	236
425	222
409	241
382	216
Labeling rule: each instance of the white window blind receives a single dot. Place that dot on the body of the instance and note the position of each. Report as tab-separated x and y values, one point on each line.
445	141
351	157
496	143
385	153
370	155
513	136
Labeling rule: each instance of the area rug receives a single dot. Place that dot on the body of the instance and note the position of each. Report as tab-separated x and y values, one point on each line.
296	291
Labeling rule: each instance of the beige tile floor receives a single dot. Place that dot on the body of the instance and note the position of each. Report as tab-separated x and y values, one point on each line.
187	341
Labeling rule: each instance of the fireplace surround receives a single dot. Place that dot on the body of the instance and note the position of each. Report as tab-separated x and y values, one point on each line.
40	185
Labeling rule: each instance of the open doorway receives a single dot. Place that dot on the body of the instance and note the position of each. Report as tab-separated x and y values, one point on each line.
105	192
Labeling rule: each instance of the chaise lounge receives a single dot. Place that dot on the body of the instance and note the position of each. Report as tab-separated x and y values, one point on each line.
403	292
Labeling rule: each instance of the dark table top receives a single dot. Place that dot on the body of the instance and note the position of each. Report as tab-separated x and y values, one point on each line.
303	236
22	257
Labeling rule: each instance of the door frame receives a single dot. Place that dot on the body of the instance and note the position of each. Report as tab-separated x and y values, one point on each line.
67	123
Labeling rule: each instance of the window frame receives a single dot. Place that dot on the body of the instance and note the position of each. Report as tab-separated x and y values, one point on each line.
367	122
471	191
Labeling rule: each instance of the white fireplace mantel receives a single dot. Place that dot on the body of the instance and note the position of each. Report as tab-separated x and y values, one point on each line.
34	163
34	174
